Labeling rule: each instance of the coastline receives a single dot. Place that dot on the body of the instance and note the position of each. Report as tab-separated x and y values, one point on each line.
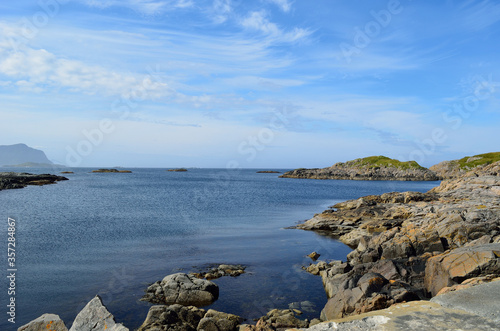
367	203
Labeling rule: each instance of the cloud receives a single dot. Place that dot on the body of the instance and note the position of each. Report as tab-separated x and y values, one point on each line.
284	5
147	7
221	10
38	69
258	21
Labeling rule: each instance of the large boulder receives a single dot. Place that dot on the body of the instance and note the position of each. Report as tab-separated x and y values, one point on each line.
183	289
453	267
173	318
95	317
44	323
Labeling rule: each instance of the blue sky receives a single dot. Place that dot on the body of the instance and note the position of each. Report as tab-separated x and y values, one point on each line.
259	84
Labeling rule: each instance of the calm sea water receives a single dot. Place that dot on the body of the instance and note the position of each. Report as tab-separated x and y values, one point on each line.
114	234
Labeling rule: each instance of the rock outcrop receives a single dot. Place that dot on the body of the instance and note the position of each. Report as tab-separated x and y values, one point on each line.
409	246
95	317
13	180
457	168
183	289
369	168
45	322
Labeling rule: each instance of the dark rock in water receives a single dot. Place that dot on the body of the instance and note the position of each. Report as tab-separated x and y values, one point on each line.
13	180
314	256
111	171
46	322
175	317
182	289
369	168
221	271
178	170
95	317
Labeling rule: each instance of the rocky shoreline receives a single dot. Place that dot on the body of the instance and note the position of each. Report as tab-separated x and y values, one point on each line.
15	180
412	246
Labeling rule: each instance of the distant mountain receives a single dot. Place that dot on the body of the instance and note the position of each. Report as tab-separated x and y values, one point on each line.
20	153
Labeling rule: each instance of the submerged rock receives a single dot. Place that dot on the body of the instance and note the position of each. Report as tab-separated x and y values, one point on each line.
183	289
221	271
175	317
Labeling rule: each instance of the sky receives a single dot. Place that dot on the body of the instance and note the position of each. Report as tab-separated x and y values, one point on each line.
249	84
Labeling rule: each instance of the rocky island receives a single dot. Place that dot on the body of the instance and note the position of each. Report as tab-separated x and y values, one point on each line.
13	180
368	168
178	170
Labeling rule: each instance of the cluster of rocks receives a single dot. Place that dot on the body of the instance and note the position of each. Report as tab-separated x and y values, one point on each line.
13	180
221	271
348	171
411	246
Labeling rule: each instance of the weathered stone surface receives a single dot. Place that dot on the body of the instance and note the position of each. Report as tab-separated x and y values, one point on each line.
172	318
46	322
182	289
217	321
13	180
454	267
481	300
95	317
416	315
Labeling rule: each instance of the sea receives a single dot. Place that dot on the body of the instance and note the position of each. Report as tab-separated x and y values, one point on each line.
114	234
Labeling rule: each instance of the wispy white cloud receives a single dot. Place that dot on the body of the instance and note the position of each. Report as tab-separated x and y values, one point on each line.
284	5
258	21
147	7
221	10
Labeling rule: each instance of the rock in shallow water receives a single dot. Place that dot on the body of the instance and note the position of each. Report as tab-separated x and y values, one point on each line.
182	289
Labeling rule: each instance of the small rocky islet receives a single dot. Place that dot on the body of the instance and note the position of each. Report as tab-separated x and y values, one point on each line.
407	248
15	180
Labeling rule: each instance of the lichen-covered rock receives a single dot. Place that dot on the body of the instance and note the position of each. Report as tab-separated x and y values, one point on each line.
183	289
95	317
44	323
172	318
218	321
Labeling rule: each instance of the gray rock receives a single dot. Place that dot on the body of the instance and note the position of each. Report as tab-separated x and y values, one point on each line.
95	317
45	322
183	289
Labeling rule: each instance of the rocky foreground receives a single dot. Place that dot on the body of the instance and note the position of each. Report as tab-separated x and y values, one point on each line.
412	246
368	168
13	180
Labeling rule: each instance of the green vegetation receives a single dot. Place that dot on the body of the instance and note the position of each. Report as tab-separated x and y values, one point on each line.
469	162
383	161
